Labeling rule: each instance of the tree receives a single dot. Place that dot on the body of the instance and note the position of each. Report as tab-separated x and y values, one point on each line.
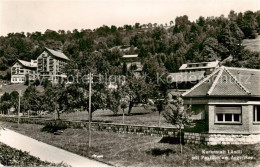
152	67
160	106
113	100
5	104
98	96
4	107
14	95
249	25
137	25
123	107
137	91
9	100
31	100
124	70
55	99
160	94
171	23
177	115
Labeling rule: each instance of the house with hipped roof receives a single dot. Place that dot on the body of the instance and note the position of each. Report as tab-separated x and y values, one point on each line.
23	70
229	99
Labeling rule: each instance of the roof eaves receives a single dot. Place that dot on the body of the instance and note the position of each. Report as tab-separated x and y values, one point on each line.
240	69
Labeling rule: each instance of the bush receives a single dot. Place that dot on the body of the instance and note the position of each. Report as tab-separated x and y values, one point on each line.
51	128
13	157
172	140
158	151
200	126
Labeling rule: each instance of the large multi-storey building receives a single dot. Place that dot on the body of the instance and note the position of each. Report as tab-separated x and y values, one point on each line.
50	65
23	70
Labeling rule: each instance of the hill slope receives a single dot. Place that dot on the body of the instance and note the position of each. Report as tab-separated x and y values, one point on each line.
252	44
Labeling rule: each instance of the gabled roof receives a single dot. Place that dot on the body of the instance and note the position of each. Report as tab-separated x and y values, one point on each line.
186	76
57	54
228	81
27	64
212	64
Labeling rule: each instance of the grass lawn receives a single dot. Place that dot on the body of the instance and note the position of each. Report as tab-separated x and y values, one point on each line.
17	87
136	150
252	44
139	116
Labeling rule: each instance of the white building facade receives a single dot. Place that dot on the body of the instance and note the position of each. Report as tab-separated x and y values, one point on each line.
23	70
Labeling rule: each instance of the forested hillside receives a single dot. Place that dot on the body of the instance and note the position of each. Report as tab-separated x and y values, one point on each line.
163	47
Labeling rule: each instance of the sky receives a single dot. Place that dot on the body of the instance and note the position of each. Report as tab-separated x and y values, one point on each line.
39	15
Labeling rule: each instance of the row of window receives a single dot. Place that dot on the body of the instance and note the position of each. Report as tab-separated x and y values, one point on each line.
197	65
17	79
194	70
233	114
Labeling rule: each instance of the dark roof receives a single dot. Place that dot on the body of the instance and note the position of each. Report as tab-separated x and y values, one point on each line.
57	54
186	76
228	81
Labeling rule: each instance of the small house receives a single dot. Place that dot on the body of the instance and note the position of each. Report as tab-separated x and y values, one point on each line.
229	99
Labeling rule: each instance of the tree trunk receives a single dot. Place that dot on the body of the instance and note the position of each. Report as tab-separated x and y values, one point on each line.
130	107
180	140
92	110
58	114
123	116
159	123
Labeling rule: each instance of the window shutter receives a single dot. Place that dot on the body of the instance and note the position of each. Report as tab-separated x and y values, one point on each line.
228	109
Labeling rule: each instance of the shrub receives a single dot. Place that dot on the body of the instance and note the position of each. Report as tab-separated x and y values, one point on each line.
51	128
171	140
158	151
200	126
13	157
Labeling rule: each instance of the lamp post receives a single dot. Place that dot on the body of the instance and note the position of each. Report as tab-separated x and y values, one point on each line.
90	79
19	107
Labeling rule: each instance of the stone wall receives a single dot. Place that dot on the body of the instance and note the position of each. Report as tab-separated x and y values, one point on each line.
223	139
110	127
192	138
